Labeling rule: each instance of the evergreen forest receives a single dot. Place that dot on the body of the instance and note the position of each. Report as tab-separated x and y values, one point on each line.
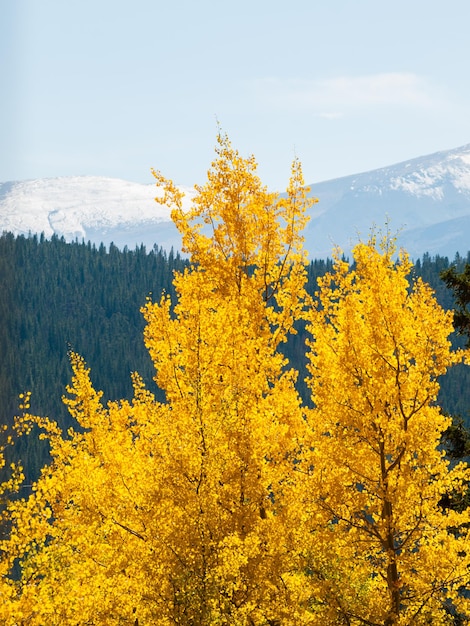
59	297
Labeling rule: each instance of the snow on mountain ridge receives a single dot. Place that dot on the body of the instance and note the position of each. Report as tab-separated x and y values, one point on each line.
71	206
413	197
453	170
420	184
425	176
426	200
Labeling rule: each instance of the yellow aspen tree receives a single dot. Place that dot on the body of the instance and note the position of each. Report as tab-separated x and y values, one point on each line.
177	512
239	418
11	479
377	473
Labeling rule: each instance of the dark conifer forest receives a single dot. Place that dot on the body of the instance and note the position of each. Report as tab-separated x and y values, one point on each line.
58	297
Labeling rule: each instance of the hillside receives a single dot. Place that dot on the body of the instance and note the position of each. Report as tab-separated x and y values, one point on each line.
59	296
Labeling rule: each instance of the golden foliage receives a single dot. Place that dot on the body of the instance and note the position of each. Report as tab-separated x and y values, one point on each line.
379	344
230	502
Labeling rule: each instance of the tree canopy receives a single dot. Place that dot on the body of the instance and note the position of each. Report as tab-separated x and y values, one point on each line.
228	500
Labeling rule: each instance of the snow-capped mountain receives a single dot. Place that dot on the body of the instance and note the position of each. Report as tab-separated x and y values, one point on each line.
426	200
89	208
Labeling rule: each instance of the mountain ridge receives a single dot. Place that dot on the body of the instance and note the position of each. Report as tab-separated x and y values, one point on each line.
411	197
425	200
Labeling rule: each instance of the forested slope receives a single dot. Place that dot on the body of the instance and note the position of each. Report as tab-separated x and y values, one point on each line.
58	297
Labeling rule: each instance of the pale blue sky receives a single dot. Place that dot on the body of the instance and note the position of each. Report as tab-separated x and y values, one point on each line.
114	87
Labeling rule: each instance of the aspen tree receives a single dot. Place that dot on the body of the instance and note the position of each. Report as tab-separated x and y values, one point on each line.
380	342
175	512
12	478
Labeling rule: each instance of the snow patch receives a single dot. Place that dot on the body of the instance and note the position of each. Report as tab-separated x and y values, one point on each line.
419	185
70	206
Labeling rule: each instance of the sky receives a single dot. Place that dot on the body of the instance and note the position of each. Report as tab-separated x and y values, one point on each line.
115	88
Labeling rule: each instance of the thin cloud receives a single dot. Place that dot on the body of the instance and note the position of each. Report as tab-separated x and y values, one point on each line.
331	98
331	115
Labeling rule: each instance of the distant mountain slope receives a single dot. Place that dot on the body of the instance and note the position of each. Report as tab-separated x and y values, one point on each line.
87	207
426	200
